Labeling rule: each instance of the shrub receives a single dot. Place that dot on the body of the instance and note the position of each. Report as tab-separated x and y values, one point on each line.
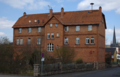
79	60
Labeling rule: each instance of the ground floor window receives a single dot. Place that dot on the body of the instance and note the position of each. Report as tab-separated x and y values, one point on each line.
50	47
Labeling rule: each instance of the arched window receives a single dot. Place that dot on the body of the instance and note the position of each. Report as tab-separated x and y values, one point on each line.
50	47
87	40
92	40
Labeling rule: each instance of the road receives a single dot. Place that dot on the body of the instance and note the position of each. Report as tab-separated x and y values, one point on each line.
110	72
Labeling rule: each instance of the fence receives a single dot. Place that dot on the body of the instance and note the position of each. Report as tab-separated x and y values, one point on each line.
49	69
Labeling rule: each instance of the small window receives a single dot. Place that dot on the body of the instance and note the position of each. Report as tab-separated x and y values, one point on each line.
52	35
29	30
66	28
29	21
50	47
17	41
39	29
50	24
57	34
29	40
21	41
35	20
20	30
87	40
38	41
48	35
57	47
89	27
77	28
77	40
66	40
92	40
56	24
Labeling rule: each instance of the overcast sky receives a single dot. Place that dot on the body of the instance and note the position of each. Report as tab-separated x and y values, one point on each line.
11	10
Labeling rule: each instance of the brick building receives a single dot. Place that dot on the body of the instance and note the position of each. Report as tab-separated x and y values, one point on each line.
82	30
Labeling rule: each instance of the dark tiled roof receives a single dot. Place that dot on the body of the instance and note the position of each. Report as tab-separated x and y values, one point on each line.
69	18
110	50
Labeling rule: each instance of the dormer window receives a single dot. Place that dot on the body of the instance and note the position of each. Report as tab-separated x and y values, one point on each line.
50	24
29	21
35	20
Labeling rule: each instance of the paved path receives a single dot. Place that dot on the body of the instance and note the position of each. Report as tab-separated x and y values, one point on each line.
110	72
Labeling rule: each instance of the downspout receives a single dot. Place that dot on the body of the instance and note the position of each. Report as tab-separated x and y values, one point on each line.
97	47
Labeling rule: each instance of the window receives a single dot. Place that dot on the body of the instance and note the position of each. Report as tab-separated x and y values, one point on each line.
50	47
66	28
66	40
38	41
48	35
57	34
20	30
87	40
21	41
29	40
52	35
50	24
77	40
57	47
56	24
89	27
29	30
77	28
39	29
17	41
92	40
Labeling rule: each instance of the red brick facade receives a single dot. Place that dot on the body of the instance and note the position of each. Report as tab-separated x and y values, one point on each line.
88	52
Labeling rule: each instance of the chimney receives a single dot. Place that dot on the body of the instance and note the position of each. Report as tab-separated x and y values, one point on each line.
24	14
51	13
62	12
100	9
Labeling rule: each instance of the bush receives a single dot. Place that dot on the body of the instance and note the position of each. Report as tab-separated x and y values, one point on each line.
79	60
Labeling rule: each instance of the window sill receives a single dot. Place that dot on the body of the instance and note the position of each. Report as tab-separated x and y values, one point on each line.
93	44
89	44
89	30
66	44
77	44
57	37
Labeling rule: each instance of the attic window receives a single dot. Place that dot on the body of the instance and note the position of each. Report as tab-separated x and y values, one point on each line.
29	21
35	20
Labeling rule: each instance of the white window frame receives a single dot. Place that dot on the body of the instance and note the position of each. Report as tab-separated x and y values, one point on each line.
38	41
20	30
66	28
21	41
29	41
50	47
87	40
89	27
77	28
39	29
50	24
57	34
48	35
17	41
66	40
29	30
77	40
52	35
56	24
92	39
